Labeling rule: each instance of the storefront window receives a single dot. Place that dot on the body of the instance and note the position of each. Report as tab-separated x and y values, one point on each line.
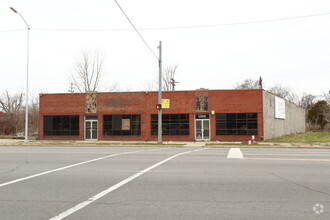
61	125
121	125
172	124
237	124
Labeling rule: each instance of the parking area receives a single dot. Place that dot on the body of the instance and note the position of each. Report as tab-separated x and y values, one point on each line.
163	183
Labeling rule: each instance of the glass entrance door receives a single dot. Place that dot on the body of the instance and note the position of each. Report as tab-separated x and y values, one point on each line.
206	129
90	129
202	129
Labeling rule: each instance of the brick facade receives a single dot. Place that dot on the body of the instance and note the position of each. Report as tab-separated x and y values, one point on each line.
143	103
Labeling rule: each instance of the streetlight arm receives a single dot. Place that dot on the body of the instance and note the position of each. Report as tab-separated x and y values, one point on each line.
27	25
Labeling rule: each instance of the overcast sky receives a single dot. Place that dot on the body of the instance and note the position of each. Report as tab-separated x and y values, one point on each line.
291	52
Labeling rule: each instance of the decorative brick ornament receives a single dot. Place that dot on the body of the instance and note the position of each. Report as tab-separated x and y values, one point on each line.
91	104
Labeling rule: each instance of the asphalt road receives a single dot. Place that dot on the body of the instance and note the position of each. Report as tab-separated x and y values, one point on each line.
163	183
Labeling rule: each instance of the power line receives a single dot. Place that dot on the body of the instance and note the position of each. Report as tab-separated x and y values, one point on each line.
13	30
82	30
241	23
199	26
178	27
137	30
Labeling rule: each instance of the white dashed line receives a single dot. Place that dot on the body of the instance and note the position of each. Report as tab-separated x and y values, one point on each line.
70	166
116	186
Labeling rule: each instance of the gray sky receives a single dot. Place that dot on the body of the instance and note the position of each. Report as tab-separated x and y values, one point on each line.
291	52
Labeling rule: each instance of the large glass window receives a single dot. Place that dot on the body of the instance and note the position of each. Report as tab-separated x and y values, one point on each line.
237	124
172	124
61	125
121	125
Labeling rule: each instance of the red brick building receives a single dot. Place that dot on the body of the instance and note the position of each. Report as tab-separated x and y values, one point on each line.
190	115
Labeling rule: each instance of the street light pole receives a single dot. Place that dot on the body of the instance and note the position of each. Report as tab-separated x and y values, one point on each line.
160	94
27	78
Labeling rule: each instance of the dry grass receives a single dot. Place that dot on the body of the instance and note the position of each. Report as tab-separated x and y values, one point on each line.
312	137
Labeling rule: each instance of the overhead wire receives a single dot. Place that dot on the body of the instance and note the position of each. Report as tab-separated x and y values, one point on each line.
20	29
145	42
178	27
242	23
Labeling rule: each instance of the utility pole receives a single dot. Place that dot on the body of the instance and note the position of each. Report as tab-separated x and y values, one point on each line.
173	82
160	94
71	90
260	82
159	105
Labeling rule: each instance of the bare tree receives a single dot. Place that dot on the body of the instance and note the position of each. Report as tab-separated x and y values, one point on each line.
4	124
285	93
34	115
169	78
150	85
317	113
307	100
117	88
11	105
327	97
88	71
113	88
249	84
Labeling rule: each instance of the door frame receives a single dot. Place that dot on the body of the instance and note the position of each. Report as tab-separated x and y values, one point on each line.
202	119
97	129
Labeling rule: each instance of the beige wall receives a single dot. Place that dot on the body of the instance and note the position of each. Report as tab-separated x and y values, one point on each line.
293	123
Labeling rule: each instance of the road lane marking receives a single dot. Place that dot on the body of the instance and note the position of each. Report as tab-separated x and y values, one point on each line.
116	186
73	165
293	159
235	153
292	155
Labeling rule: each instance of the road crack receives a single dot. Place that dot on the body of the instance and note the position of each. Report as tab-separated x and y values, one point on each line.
300	185
26	162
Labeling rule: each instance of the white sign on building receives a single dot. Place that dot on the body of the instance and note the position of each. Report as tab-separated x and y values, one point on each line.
279	108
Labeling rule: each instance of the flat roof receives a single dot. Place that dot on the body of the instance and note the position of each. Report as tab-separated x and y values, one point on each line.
201	89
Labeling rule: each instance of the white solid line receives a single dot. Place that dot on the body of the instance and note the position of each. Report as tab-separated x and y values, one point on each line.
116	186
70	166
288	155
235	153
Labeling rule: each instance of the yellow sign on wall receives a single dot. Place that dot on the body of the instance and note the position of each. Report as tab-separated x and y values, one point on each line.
165	103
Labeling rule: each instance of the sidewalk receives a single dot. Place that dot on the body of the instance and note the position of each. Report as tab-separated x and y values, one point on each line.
15	142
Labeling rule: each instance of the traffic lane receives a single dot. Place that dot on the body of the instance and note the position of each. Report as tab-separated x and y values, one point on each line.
309	168
18	162
47	196
286	153
202	186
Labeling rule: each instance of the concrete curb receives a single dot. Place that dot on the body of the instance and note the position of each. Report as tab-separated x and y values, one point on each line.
269	147
14	142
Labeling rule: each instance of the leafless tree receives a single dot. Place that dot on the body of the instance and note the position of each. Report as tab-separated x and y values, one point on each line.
88	71
34	115
169	82
285	93
113	88
248	84
150	85
117	88
307	100
4	123
11	105
326	97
